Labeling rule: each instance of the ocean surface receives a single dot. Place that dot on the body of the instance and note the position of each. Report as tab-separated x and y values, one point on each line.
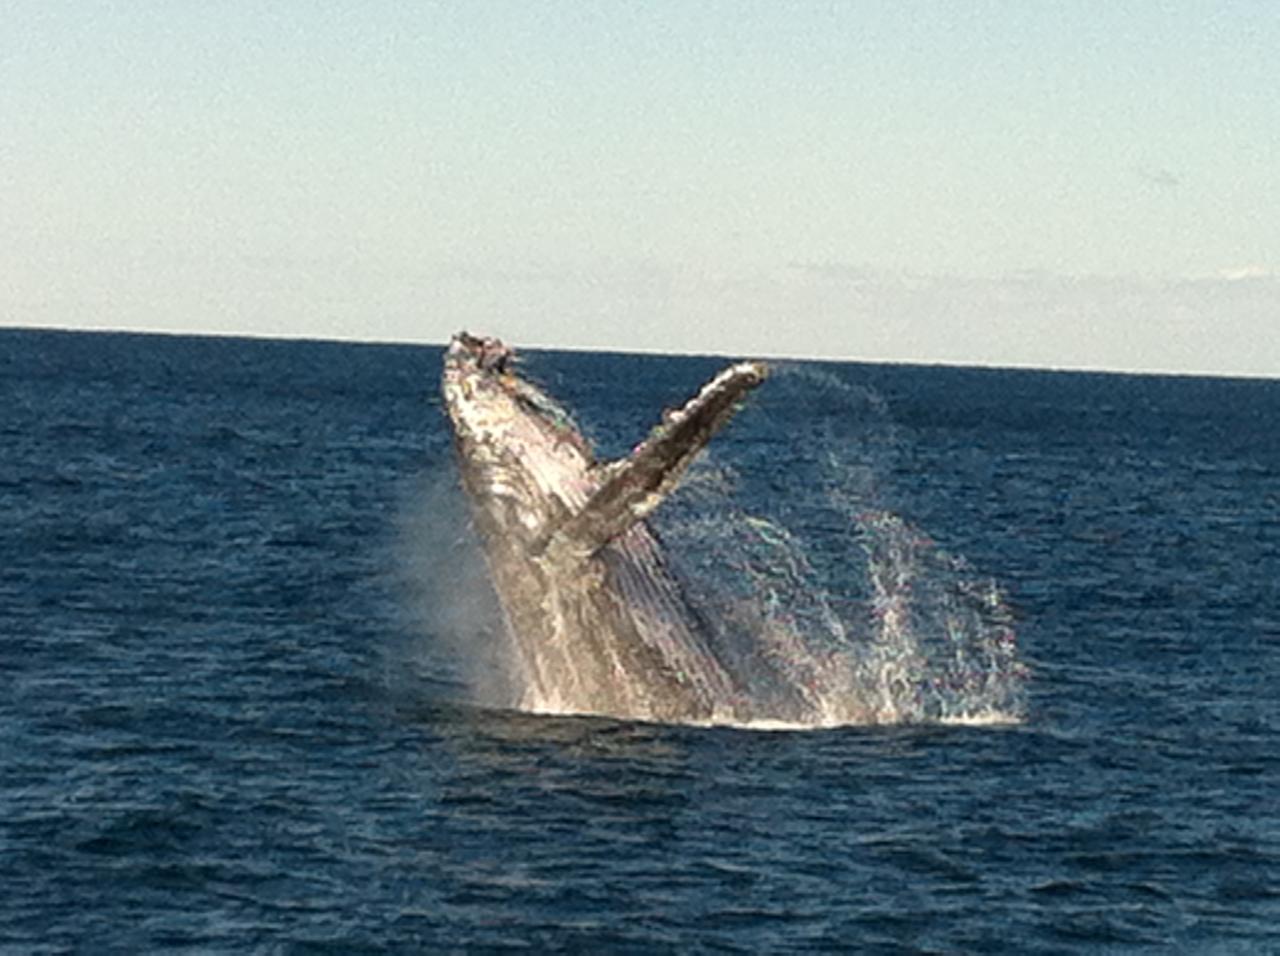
247	666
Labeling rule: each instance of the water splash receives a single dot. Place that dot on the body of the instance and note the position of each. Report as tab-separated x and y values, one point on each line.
898	631
830	607
445	592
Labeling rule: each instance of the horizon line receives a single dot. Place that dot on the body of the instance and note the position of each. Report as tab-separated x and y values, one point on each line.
641	351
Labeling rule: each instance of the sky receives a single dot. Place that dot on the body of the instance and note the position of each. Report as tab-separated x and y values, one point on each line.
1064	185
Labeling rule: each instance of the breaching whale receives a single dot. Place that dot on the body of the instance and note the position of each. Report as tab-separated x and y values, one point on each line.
600	623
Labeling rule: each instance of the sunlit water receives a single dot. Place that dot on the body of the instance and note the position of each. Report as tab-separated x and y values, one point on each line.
239	715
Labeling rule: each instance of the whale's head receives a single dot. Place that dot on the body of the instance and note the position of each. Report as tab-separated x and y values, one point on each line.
496	413
473	354
480	387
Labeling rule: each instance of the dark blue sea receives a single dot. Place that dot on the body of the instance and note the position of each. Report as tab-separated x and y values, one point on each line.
242	709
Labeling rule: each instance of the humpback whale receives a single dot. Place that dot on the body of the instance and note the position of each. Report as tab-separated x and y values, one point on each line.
599	622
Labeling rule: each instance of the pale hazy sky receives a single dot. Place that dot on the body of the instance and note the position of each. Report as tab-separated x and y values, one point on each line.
1069	184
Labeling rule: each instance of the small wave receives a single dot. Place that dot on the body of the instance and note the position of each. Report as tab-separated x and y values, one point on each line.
990	718
769	725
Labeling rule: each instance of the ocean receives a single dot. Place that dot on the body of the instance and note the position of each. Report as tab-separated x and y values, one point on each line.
253	694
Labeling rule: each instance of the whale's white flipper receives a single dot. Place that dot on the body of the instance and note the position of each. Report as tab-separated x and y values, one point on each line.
633	486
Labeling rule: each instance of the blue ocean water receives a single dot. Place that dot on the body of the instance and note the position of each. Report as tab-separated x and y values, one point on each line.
234	718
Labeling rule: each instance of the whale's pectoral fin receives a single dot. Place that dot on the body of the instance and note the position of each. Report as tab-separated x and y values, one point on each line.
637	484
